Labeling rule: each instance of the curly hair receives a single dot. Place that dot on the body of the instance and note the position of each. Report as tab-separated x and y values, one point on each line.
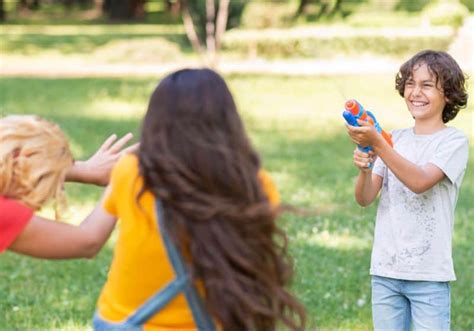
196	157
34	158
446	71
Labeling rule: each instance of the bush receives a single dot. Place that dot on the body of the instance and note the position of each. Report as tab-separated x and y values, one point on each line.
445	12
145	50
469	4
411	5
258	15
275	44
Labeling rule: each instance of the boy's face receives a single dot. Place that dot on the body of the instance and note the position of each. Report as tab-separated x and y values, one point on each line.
424	97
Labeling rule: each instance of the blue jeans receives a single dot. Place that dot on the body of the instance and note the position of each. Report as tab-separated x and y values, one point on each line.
398	304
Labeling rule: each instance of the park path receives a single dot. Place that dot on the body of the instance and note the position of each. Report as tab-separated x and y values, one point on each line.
462	49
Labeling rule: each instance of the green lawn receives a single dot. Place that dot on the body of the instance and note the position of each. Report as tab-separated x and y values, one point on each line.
296	124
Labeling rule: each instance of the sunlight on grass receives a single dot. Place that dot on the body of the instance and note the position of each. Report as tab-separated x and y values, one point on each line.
114	109
344	241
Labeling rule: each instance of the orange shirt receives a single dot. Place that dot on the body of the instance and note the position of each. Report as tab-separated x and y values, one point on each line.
140	266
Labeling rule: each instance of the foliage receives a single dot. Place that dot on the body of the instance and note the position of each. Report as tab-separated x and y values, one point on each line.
296	124
279	44
411	5
258	15
469	4
446	12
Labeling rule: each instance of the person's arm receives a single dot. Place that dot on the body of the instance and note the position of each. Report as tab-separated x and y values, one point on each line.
368	184
48	239
417	178
96	170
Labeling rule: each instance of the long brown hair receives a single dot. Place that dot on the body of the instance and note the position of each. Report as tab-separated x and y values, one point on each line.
196	157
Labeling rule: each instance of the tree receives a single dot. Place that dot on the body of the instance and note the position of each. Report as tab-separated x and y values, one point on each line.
3	15
326	7
205	24
124	10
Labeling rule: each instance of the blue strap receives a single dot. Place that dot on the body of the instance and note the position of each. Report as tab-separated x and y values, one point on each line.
182	283
201	316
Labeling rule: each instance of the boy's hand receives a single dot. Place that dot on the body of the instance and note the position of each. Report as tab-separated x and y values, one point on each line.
363	135
96	170
363	161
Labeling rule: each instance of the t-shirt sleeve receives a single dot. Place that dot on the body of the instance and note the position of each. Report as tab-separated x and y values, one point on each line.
379	167
14	216
269	188
451	156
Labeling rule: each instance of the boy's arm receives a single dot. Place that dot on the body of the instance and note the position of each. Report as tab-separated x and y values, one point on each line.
96	170
48	239
368	184
418	179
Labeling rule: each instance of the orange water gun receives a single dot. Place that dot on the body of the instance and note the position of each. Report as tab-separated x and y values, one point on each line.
354	111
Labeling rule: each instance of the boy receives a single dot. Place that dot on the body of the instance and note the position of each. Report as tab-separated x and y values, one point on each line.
419	180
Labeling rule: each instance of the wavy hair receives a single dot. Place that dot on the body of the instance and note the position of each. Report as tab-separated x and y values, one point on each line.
196	157
34	158
446	71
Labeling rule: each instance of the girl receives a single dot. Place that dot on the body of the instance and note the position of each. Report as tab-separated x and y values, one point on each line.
215	205
34	162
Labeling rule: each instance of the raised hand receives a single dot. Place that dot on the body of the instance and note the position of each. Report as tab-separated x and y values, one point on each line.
96	170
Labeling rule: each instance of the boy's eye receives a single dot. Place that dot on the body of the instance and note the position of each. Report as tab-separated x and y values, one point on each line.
409	83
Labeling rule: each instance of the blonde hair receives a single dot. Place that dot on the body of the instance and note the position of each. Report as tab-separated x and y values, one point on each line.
34	158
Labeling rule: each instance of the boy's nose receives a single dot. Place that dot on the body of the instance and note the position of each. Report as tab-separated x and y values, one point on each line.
416	90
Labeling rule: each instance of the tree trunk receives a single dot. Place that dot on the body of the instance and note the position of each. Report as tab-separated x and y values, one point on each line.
210	31
221	23
301	8
3	16
336	8
189	27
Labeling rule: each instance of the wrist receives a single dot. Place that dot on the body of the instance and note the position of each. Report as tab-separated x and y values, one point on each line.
379	145
79	173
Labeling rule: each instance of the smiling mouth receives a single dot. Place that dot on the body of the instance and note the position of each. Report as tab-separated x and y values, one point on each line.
418	103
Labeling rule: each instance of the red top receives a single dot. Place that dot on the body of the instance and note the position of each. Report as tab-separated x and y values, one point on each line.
13	218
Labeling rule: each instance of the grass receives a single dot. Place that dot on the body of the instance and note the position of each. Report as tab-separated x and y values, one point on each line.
296	125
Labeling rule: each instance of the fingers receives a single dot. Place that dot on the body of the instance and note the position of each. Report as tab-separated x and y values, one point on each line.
108	142
115	148
363	123
363	160
130	149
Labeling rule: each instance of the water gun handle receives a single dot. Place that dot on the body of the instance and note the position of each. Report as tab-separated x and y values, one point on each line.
353	112
352	120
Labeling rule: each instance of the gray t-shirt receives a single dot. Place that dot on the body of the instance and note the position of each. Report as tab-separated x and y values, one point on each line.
413	232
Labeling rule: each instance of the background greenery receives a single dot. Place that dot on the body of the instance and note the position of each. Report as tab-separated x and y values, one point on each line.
294	121
296	125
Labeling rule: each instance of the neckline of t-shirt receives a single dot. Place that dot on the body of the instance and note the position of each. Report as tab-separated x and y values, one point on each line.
427	136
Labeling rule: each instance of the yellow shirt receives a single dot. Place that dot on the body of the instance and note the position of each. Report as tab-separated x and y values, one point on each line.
140	266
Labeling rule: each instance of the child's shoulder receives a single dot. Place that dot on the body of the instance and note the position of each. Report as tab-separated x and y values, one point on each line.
455	133
127	165
398	133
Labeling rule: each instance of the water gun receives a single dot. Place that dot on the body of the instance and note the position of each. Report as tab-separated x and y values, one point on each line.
354	111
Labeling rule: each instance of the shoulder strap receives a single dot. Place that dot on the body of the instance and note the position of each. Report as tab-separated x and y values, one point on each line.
182	283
